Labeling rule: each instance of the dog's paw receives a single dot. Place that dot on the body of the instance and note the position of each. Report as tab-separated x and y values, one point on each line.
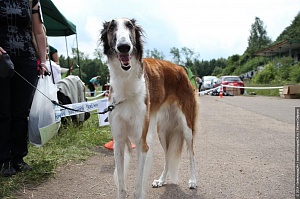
157	183
192	185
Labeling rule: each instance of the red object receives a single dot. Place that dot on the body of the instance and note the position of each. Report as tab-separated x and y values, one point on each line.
110	145
231	80
221	92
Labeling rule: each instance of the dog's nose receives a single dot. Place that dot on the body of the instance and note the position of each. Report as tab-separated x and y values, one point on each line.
124	48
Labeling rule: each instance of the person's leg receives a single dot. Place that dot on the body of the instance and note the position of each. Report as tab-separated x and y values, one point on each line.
6	167
91	88
22	95
5	120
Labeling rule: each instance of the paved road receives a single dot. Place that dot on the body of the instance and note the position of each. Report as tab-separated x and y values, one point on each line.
245	149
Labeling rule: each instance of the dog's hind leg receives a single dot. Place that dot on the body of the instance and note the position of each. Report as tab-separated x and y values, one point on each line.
188	136
162	179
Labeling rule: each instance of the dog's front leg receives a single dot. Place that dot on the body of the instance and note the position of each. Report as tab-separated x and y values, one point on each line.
119	150
141	159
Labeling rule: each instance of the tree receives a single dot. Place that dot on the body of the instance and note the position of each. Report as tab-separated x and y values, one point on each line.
258	38
176	55
291	32
98	53
155	54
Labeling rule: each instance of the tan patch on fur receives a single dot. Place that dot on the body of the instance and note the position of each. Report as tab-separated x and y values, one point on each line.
169	83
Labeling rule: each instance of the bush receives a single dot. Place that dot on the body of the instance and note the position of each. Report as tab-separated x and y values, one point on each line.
266	76
283	65
295	73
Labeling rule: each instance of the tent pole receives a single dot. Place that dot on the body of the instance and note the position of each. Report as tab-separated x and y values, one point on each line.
78	57
67	53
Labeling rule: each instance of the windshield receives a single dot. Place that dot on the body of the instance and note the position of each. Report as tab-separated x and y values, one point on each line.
232	79
208	78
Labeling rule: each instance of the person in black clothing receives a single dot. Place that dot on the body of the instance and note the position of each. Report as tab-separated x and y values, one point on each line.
17	23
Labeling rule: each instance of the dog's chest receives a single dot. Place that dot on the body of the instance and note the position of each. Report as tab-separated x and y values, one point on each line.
130	100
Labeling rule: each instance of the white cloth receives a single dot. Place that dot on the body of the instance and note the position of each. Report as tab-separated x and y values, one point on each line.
74	88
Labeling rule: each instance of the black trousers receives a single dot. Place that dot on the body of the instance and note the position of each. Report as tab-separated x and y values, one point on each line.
15	101
92	89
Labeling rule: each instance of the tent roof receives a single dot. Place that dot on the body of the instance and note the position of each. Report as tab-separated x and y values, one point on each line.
278	48
56	24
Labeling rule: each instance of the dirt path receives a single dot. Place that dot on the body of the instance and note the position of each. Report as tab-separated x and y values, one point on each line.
240	153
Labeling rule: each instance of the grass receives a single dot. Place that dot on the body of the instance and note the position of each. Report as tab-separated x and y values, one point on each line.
263	92
72	143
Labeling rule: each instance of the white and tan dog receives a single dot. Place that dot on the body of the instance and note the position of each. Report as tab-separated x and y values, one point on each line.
148	96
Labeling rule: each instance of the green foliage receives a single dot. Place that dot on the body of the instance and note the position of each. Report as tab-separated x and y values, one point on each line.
176	55
295	73
155	54
258	38
217	71
252	64
291	32
266	76
264	92
283	66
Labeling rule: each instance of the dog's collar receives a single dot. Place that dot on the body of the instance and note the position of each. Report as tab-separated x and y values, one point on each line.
114	104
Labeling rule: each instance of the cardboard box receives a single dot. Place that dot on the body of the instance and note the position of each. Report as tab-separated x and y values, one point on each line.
291	91
233	91
290	96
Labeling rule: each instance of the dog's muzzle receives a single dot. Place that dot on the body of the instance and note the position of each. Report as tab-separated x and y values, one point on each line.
124	56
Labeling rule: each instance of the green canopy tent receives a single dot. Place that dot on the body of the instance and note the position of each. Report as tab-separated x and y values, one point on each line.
57	25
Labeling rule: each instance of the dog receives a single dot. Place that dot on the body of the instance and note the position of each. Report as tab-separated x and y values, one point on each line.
147	96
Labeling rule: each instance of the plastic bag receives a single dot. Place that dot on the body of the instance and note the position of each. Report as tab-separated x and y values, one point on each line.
43	122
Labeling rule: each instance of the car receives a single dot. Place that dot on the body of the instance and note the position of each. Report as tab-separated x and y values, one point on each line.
231	80
214	82
206	82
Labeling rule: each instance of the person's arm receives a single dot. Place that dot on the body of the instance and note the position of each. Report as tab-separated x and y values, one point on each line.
40	37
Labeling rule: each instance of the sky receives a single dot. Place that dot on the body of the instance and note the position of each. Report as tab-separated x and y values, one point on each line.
211	28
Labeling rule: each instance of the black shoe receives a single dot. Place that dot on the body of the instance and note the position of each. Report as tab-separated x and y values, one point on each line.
22	167
7	169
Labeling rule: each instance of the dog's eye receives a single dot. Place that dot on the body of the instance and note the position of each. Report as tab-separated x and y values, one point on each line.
129	25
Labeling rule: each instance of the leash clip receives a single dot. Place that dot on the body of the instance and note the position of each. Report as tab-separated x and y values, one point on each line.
110	107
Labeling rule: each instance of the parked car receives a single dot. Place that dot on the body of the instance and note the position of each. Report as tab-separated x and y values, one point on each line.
215	81
231	80
206	82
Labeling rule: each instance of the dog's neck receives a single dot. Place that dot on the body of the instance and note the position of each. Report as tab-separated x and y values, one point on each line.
126	84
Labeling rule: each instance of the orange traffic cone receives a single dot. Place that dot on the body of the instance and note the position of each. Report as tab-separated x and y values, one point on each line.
221	93
110	145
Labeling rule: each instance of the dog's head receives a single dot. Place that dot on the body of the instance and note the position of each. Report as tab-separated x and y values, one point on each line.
121	39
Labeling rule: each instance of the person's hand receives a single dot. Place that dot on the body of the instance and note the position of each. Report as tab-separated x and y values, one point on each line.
1	52
43	69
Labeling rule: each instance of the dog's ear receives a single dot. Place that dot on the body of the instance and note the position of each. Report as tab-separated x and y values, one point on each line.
103	38
139	33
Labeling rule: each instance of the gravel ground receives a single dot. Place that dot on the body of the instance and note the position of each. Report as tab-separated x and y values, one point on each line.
245	149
